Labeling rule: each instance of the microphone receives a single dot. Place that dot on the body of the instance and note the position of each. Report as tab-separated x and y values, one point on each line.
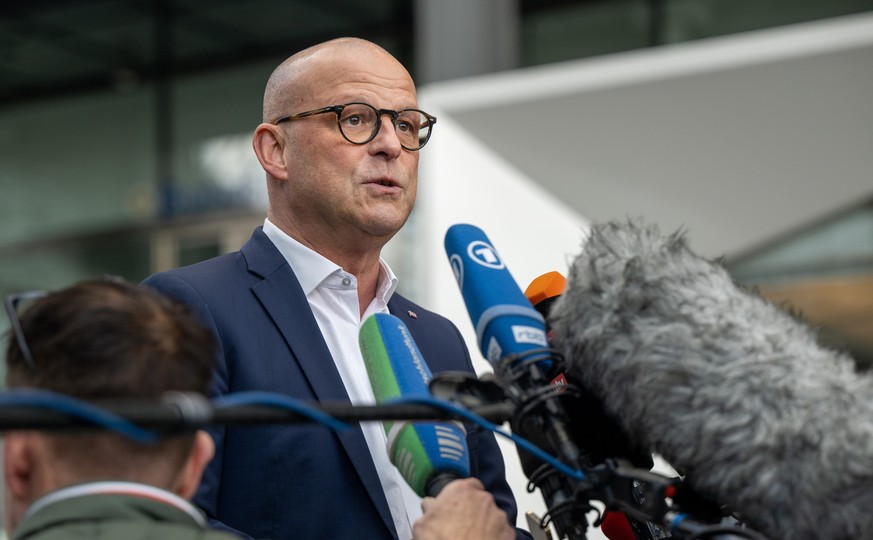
729	388
597	432
543	291
615	526
593	428
428	455
511	334
506	323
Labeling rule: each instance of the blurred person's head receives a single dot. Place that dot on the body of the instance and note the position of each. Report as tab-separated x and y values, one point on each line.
101	340
331	187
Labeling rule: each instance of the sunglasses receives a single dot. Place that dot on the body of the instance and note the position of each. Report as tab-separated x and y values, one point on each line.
12	303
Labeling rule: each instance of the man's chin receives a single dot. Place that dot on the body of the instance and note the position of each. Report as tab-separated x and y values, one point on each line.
386	225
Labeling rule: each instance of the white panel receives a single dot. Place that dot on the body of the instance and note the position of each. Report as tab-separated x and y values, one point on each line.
740	139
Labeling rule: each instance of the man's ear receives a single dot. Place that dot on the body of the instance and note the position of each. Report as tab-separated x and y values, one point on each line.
269	145
201	454
19	465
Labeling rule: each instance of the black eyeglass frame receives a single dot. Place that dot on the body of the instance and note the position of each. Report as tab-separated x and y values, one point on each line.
11	304
338	109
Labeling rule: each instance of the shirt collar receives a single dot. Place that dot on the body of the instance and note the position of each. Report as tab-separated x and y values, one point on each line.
130	489
387	282
312	269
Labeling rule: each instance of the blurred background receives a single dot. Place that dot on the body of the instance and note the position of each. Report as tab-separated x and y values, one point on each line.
125	133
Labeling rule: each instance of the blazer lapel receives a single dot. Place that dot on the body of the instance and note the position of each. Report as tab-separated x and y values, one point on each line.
282	298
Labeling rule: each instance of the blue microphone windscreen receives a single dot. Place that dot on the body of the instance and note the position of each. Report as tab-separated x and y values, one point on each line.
396	368
421	449
506	323
394	363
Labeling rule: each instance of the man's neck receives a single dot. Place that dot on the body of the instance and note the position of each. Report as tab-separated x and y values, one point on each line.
357	253
361	258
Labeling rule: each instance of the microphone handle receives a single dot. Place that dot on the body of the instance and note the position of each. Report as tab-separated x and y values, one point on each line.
438	481
544	417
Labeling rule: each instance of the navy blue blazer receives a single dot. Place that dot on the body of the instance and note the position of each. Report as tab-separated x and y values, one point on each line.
283	481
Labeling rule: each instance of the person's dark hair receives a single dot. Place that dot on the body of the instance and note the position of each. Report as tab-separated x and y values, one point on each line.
106	338
109	339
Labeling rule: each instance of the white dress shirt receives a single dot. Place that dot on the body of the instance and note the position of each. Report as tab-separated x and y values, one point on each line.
333	296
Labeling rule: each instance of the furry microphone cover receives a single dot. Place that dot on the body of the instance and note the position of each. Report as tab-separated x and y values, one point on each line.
729	388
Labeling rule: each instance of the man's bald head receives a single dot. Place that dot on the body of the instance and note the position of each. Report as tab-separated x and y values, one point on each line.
290	83
324	190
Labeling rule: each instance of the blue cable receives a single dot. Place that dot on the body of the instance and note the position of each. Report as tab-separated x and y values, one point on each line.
476	419
676	521
58	402
281	401
101	417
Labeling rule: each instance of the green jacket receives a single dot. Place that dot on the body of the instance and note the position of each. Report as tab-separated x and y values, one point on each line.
115	514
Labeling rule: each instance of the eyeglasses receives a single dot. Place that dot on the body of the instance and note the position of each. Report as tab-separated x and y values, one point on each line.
359	123
12	302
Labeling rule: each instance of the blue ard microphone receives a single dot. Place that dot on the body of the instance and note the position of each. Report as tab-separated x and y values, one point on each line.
506	323
428	455
512	335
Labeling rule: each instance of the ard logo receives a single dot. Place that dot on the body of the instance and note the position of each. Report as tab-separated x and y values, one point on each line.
482	253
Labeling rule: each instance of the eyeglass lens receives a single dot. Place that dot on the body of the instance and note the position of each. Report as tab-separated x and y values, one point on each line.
359	123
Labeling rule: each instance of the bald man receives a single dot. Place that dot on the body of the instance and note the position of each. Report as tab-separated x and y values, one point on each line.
339	143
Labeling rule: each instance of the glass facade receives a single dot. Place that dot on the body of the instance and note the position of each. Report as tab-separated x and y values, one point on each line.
116	180
556	31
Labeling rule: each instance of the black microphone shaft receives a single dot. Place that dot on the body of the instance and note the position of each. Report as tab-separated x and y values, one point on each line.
169	417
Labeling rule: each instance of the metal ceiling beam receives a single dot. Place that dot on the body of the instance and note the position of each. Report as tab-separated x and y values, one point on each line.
238	53
63	38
